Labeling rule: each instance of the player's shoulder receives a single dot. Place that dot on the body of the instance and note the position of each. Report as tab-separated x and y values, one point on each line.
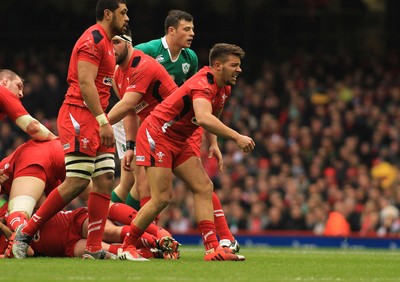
140	60
149	47
94	33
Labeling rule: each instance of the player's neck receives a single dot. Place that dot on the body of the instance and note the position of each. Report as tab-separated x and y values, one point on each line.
217	78
107	29
125	64
174	50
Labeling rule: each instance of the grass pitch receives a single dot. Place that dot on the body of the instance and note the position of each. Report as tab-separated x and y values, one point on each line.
262	264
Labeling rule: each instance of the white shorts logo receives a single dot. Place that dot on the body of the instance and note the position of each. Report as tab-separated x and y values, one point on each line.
140	158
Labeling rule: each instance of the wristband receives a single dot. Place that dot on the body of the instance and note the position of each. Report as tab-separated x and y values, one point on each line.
102	119
130	145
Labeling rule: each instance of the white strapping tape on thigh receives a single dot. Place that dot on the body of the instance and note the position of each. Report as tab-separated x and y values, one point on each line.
22	203
104	163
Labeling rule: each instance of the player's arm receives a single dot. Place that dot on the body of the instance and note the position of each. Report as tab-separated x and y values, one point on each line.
204	117
34	128
131	126
87	73
126	104
114	89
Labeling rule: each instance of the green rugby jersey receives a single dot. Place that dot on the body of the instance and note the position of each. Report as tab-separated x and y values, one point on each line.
181	69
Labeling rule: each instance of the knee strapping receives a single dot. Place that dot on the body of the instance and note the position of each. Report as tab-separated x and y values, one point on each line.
23	203
104	164
79	166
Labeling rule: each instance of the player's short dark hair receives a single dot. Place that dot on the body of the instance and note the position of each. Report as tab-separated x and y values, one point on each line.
221	51
111	5
9	74
174	17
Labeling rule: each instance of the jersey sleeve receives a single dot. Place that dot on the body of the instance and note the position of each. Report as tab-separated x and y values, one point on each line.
87	50
11	105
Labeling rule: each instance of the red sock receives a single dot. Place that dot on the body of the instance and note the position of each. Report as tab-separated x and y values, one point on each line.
114	248
133	237
146	241
97	210
125	231
207	229
53	204
221	226
152	229
16	219
121	213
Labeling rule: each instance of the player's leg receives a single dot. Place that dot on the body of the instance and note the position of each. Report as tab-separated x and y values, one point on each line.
120	193
193	174
160	181
222	228
25	193
99	200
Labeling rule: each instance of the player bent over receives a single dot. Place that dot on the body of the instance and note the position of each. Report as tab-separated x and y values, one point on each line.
163	149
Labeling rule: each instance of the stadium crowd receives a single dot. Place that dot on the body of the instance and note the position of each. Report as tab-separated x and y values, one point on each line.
326	128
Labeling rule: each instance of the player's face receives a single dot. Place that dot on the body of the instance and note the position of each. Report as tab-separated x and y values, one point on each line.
120	20
184	34
120	49
15	85
230	70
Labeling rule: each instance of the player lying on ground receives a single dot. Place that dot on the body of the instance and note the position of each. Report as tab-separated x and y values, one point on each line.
49	241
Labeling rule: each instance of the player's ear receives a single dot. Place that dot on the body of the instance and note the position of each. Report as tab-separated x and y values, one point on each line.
4	82
218	65
107	14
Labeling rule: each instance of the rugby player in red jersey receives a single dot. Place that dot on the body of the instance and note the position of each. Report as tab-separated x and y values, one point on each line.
163	147
84	130
11	90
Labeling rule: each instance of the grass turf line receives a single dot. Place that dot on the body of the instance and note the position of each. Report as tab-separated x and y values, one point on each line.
262	264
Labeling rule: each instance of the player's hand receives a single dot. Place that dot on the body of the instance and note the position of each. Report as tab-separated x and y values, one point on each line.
215	151
3	176
107	135
245	143
128	160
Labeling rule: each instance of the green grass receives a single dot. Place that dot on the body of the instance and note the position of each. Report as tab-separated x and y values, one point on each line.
262	264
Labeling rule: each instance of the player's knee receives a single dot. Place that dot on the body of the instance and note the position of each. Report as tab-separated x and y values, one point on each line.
164	199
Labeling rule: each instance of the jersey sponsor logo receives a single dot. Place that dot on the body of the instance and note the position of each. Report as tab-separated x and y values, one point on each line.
107	81
139	107
185	68
160	156
66	146
160	58
140	158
